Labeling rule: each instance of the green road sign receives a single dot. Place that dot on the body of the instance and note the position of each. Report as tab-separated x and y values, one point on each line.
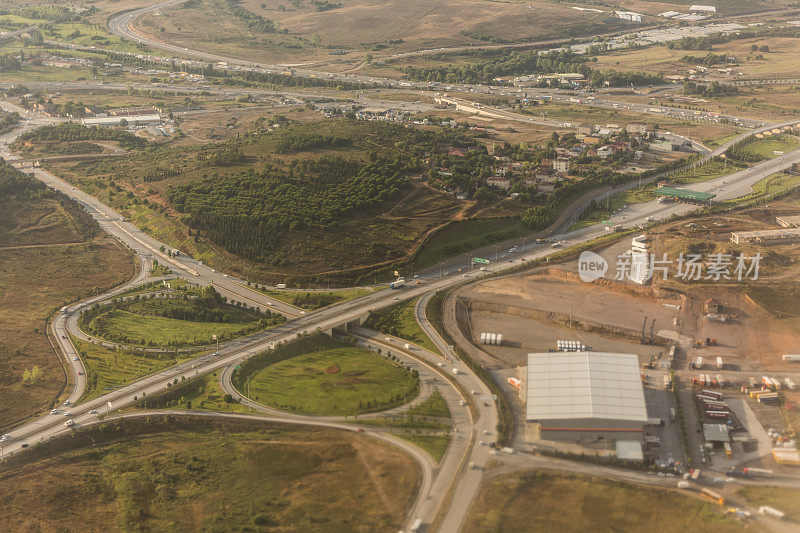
481	261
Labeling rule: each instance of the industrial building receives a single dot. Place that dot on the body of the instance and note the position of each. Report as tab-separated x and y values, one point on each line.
769	236
585	396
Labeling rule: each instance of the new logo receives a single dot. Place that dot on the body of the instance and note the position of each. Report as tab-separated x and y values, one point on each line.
591	266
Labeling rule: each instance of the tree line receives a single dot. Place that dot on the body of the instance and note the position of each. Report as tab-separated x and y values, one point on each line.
72	131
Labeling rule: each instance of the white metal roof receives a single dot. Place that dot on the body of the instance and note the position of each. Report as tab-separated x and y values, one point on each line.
573	385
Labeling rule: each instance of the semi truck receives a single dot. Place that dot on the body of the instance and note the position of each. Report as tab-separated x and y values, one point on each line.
399	282
720	363
712	394
757	471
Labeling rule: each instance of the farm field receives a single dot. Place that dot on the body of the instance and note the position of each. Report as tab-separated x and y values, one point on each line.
321	376
199	474
50	254
564	502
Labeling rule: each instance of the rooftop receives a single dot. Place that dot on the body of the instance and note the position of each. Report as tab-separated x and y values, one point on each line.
766	233
579	385
716	432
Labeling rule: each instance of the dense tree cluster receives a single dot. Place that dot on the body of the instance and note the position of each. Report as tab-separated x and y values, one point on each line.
50	12
8	121
526	62
13	182
511	63
309	141
248	213
9	62
255	22
714	88
709	60
71	131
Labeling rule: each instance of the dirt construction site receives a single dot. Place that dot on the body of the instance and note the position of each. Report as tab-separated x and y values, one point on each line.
534	311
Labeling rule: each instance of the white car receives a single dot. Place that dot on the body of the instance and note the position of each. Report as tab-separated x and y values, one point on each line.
5	438
67	402
75	358
55	411
67	414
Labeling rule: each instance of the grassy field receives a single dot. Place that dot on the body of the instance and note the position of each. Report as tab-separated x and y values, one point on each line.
786	500
108	369
322	376
141	323
201	475
200	393
563	502
426	425
773	185
360	25
766	147
399	320
597	115
48	257
780	61
467	235
313	300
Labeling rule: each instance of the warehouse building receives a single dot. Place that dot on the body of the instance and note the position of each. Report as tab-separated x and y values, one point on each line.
585	396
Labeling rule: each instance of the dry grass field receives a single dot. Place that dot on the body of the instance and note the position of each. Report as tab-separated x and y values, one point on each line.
572	503
782	59
202	475
366	25
46	260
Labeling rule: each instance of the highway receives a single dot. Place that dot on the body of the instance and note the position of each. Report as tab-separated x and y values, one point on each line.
122	25
448	490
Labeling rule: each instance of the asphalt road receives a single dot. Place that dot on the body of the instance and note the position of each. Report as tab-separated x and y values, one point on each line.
461	478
